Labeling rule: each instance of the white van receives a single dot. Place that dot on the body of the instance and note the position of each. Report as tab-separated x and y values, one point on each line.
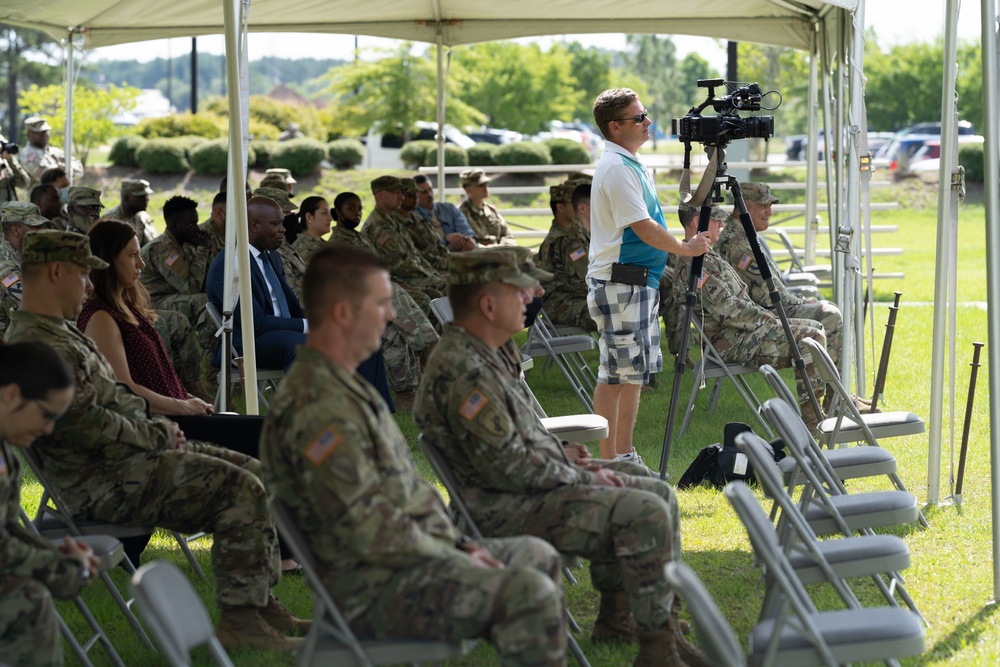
382	150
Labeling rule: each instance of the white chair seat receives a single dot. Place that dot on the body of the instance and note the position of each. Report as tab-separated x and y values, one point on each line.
864	510
577	428
849	463
882	425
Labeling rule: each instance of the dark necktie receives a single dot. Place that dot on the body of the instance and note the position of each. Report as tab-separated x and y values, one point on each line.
272	278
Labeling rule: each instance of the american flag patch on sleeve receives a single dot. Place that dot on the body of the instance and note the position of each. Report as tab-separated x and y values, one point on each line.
11	279
702	279
744	262
475	402
383	238
577	254
172	258
326	443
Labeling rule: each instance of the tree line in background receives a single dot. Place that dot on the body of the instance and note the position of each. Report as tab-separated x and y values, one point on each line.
502	84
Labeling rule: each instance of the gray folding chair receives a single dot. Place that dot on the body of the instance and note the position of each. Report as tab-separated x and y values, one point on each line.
331	641
831	560
566	352
713	366
465	522
849	463
718	641
847	423
174	613
267	378
797	633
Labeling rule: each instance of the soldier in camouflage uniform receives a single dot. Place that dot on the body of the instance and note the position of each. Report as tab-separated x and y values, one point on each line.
740	330
294	265
280	179
36	386
176	266
392	242
39	155
215	227
83	208
112	462
132	209
484	218
563	253
19	218
734	247
517	478
387	549
421	230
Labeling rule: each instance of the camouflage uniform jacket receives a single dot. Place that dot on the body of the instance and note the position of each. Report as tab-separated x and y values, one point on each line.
426	240
22	553
734	247
99	446
174	268
12	176
392	243
732	321
10	283
331	449
307	246
295	267
482	419
564	254
487	223
351	237
36	160
218	239
142	222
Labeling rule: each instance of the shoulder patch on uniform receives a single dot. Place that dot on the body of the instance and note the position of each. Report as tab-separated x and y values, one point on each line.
172	258
701	280
383	238
744	262
11	279
3	465
473	403
326	443
577	254
493	422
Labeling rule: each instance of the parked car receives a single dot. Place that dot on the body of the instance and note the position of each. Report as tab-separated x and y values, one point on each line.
382	150
926	161
490	135
964	128
575	131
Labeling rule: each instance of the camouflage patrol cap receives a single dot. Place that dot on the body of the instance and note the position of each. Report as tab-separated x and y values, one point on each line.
136	187
49	245
474	177
279	196
527	262
386	184
560	194
36	124
284	174
273	181
409	186
22	211
84	196
717	212
575	178
758	193
486	265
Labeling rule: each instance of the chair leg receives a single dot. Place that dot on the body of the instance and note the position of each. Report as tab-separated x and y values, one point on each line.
126	606
182	542
713	398
577	652
98	635
691	401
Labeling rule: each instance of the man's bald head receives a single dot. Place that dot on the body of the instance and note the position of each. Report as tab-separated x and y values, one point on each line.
265	223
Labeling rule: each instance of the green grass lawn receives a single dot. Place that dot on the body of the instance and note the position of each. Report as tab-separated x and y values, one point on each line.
951	576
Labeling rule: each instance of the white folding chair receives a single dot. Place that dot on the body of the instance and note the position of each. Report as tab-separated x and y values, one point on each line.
331	641
267	378
175	614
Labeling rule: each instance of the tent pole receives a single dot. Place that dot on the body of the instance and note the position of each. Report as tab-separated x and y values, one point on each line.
70	80
856	91
440	111
812	149
991	159
237	204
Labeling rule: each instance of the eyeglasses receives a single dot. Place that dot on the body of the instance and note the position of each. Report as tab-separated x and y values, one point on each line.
638	119
47	414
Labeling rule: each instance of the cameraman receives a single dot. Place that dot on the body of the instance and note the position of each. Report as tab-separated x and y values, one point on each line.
628	252
12	174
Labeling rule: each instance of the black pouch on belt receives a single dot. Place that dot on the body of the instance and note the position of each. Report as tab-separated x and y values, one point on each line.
629	274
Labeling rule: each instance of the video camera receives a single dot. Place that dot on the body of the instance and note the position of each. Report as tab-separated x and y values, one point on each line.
8	147
726	126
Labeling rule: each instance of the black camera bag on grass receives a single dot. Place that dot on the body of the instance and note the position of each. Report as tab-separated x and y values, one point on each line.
720	464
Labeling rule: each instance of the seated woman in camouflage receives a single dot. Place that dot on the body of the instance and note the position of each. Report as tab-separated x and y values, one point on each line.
36	387
314	220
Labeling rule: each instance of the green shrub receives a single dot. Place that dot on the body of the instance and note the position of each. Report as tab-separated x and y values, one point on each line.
208	126
522	152
454	156
263	150
301	156
190	143
346	153
970	156
162	156
123	151
269	117
567	151
482	154
263	131
414	153
211	158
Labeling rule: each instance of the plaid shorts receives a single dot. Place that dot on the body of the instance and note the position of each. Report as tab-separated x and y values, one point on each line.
626	317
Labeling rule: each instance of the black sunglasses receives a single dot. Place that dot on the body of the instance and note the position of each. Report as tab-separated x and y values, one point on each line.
638	119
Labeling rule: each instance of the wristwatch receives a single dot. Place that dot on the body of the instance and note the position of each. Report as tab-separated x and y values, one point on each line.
84	574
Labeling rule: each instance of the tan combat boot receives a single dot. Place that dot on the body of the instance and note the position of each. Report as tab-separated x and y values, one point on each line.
243	626
279	618
658	648
688	652
615	622
809	417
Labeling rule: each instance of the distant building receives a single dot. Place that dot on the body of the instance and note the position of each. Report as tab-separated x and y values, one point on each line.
151	103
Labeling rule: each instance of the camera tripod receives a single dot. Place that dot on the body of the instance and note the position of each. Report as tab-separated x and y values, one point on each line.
714	182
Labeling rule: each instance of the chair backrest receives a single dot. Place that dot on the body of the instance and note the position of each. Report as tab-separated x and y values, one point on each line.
447	477
717	637
174	613
778	386
801	444
441	308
